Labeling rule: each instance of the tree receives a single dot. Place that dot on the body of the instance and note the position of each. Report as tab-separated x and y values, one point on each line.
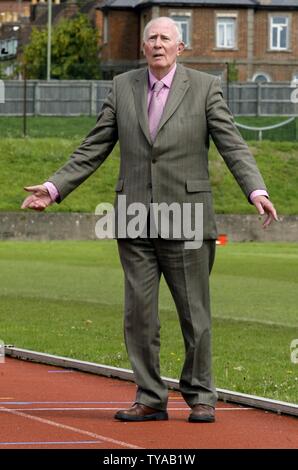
2	74
74	52
233	71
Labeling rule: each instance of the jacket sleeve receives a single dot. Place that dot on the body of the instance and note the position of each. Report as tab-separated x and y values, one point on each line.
230	143
92	152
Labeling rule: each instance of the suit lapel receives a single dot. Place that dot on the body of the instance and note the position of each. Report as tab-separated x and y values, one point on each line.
140	91
178	89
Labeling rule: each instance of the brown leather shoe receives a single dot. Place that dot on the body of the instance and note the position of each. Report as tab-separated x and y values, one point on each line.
202	414
139	412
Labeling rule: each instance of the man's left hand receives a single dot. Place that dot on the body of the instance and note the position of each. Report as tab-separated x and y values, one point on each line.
265	206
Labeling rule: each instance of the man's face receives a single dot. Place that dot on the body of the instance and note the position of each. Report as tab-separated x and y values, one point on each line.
161	47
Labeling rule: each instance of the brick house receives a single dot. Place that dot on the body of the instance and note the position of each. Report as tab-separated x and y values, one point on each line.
259	37
12	13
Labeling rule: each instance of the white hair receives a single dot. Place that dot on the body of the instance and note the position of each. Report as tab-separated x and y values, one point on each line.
169	20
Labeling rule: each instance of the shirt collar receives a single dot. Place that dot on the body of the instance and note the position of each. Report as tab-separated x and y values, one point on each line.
167	79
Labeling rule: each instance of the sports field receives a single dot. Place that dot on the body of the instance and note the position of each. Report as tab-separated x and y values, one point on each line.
66	298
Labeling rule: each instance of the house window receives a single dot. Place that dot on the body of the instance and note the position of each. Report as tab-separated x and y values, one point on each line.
8	17
294	82
279	33
226	32
183	21
261	77
8	47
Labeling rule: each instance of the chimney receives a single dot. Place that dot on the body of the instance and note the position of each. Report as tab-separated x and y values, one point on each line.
38	9
71	8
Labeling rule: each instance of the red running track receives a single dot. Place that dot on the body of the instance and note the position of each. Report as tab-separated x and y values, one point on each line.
53	408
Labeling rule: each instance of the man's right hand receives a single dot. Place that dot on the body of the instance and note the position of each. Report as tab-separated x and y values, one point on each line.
39	200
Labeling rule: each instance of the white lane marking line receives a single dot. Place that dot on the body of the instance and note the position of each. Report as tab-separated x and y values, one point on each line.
68	402
109	409
61	371
44	443
70	428
77	402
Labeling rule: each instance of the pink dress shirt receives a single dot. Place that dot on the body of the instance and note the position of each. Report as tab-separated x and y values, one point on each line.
164	92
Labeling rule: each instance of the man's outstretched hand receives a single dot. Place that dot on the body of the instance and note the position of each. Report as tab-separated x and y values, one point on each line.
39	200
265	206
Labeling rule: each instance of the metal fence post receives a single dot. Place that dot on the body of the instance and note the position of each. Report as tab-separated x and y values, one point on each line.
2	91
36	95
93	95
24	101
259	99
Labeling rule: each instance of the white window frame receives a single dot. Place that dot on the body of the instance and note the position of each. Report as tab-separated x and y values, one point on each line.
278	47
10	46
186	18
268	78
221	16
294	81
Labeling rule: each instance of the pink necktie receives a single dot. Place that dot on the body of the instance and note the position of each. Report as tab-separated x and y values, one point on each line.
155	109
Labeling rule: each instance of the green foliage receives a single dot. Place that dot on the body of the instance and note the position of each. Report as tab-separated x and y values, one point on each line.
74	53
2	74
233	72
35	54
10	65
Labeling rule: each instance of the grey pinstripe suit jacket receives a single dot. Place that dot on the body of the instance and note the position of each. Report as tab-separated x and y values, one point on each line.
175	167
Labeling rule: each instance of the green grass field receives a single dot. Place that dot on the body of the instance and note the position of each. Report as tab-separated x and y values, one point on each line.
32	160
73	127
66	298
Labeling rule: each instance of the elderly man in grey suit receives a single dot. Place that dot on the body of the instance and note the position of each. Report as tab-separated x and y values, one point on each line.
163	117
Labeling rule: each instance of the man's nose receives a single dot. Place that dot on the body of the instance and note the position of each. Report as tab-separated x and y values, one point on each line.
157	42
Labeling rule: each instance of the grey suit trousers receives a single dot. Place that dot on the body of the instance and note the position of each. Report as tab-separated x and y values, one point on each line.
186	272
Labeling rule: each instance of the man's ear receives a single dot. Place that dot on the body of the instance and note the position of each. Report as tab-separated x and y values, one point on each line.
180	48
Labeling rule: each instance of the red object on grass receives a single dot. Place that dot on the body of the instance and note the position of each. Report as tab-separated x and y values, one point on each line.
222	239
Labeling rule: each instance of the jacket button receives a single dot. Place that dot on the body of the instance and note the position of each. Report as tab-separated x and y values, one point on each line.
154	160
149	185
